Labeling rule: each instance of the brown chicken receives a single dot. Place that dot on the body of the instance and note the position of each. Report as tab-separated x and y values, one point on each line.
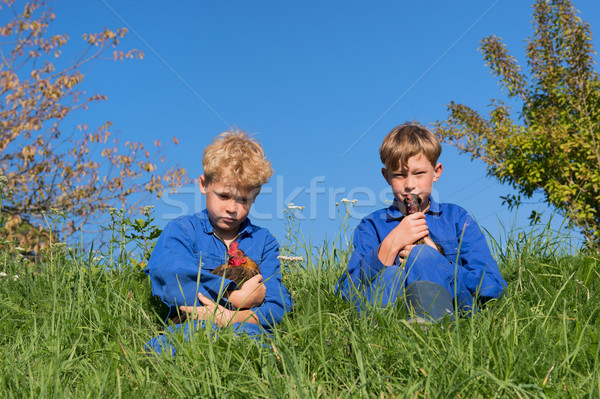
239	267
413	204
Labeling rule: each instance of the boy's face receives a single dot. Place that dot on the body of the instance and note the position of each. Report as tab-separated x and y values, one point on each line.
416	177
227	205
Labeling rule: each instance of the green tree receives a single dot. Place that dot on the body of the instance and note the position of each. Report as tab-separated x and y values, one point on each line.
81	173
553	145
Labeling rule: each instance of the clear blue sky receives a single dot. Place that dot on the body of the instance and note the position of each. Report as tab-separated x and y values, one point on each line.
319	83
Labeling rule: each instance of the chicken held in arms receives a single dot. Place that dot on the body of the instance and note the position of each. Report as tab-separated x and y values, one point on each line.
239	267
413	204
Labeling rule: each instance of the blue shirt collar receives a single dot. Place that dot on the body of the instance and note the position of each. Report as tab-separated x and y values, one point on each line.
394	213
434	207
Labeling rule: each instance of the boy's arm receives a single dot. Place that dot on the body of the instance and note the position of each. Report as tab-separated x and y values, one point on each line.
251	294
219	314
371	254
175	268
278	300
480	271
399	241
364	263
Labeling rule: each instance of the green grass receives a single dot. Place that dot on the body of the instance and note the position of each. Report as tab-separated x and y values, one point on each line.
68	328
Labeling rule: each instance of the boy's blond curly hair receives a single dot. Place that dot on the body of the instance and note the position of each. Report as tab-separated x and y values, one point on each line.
408	140
236	158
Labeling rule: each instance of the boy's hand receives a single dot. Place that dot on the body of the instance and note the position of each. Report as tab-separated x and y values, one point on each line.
210	311
401	238
406	250
251	294
220	315
429	241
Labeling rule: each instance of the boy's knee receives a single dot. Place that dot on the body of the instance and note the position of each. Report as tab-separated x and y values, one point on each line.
392	272
426	264
429	301
423	260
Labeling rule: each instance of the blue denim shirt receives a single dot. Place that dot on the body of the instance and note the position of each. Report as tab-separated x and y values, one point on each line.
450	226
188	249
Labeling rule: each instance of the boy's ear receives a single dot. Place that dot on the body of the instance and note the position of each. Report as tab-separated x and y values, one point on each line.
202	183
437	171
384	172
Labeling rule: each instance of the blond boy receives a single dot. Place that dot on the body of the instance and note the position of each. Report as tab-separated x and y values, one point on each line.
189	247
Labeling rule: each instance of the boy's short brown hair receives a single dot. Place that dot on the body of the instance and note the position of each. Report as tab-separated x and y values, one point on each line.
238	159
408	140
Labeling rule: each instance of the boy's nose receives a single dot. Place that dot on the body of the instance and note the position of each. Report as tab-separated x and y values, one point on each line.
231	206
410	182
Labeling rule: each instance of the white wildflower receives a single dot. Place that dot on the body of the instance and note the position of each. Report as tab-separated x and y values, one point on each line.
292	206
16	277
2	274
349	201
290	258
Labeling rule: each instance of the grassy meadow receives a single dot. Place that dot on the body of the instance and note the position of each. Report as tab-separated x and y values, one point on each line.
72	327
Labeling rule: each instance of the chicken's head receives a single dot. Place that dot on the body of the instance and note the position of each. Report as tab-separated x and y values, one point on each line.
236	255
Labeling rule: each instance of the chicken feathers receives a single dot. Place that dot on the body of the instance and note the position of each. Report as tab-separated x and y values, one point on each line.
239	267
413	204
